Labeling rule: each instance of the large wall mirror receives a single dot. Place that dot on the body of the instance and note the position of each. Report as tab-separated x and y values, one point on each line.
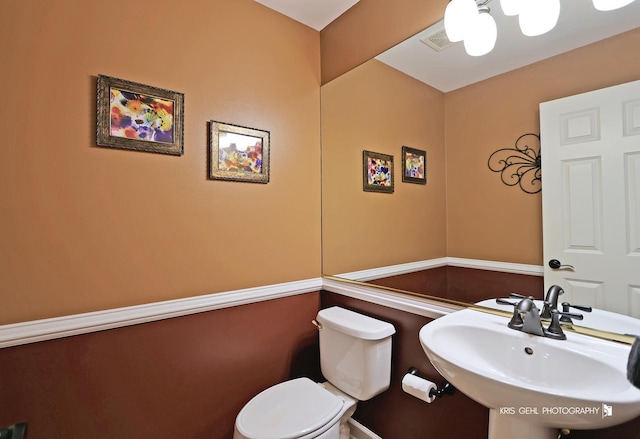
458	109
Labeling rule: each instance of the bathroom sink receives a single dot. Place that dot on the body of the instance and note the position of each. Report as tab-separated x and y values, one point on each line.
532	382
596	319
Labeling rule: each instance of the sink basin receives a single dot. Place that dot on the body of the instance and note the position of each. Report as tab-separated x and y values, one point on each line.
596	319
531	382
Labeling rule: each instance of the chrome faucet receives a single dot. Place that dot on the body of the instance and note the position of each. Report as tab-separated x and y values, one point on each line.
551	301
526	318
530	317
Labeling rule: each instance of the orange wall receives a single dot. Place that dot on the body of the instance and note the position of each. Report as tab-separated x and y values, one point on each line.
369	28
379	109
485	218
88	228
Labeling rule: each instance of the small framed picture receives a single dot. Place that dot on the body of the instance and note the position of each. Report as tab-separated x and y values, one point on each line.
238	153
377	170
414	165
139	117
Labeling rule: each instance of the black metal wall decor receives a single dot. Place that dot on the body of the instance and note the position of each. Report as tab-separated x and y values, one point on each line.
520	166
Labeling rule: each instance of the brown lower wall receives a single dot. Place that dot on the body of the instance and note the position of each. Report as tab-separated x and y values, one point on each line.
468	285
185	377
188	377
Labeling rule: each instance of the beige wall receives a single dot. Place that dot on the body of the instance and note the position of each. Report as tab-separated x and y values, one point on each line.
379	109
87	228
485	218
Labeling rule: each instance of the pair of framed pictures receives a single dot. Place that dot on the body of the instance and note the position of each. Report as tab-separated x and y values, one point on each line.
140	117
378	173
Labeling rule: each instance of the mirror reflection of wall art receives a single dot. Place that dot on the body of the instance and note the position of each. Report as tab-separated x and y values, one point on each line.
139	117
377	172
414	165
238	153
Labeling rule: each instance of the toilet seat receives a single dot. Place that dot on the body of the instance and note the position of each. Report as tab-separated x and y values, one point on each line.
289	410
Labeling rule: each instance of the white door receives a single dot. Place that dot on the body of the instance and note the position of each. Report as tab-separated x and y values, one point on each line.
590	147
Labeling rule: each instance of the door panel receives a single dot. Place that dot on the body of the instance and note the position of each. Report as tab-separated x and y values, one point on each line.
590	147
581	205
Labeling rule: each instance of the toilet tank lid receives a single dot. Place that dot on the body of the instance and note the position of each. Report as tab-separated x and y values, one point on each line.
355	324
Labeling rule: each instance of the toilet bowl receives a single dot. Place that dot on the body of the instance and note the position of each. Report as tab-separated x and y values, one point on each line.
296	409
355	358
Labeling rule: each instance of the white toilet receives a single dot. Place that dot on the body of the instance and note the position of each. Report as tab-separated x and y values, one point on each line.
355	357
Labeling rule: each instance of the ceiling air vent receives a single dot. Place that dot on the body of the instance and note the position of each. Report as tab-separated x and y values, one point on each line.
438	40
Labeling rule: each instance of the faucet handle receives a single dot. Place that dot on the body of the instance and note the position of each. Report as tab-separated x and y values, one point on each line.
526	304
567	305
516	321
517	296
565	309
555	329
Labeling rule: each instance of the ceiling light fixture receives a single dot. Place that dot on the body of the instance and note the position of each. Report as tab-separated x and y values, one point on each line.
465	20
457	17
610	5
470	20
538	17
482	35
510	7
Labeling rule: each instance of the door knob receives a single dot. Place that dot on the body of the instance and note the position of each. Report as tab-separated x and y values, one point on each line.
555	264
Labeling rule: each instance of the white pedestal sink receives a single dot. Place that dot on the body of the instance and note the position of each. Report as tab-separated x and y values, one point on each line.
532	385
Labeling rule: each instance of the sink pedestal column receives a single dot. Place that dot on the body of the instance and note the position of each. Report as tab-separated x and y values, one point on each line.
508	427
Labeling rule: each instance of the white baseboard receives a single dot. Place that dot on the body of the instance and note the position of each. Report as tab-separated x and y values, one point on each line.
359	431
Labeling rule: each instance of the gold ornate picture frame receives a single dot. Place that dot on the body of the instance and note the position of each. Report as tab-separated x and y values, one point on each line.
238	153
414	165
377	172
139	117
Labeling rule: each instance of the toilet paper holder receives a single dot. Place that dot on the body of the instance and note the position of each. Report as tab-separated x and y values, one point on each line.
445	389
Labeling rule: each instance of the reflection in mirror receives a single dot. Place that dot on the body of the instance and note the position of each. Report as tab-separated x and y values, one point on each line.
464	235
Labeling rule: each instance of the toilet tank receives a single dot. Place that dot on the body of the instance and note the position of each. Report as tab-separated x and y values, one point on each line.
355	352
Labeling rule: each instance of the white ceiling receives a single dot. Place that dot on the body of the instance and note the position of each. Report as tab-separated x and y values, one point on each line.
314	13
579	24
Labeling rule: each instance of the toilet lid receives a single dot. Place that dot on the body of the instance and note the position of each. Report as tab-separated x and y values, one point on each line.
288	410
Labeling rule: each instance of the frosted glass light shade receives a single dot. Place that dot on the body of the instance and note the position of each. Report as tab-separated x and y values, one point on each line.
482	35
538	16
511	7
610	5
457	16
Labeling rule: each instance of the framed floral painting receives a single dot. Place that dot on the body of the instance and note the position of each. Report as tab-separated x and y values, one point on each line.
414	165
139	117
377	170
238	153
